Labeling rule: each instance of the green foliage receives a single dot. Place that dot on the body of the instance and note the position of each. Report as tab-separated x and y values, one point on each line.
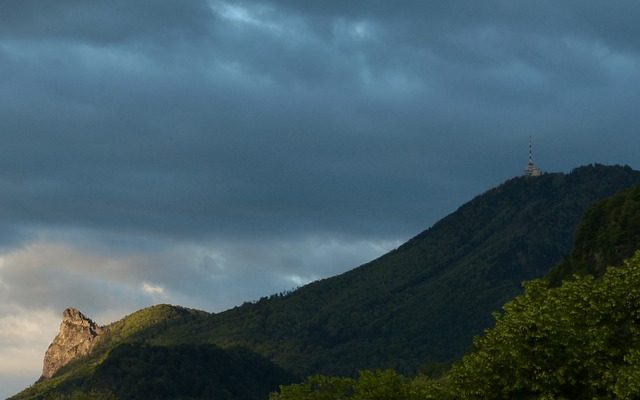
317	387
434	369
139	371
149	323
80	395
188	372
578	341
608	233
381	385
370	385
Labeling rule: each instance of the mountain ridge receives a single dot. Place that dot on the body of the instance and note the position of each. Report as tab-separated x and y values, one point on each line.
523	226
572	334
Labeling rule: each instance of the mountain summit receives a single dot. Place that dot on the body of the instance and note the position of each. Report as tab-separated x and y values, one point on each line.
76	338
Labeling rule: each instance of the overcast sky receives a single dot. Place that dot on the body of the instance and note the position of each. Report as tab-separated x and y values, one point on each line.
206	153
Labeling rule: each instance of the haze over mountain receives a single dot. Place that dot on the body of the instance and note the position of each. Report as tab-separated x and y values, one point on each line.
420	303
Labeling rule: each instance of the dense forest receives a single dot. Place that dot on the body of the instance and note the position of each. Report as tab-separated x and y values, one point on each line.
577	341
142	371
608	233
573	335
423	303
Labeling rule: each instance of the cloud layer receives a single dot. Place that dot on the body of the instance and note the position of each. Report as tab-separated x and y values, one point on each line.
209	152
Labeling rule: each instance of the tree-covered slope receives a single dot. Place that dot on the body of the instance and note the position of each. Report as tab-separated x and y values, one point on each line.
137	371
608	233
130	363
577	341
580	340
426	300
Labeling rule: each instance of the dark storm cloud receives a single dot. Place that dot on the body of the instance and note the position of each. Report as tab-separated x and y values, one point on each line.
103	22
611	22
242	118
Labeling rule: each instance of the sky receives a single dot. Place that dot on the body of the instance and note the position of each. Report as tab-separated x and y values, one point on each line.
206	153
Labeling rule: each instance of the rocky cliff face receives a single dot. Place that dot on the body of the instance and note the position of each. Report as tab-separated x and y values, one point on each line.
77	337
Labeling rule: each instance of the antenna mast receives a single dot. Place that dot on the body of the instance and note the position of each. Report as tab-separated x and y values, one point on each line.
531	169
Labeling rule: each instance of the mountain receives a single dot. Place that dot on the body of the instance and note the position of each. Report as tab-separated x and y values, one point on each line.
420	303
608	234
424	301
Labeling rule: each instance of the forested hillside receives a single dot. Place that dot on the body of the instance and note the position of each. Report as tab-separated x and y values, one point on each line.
580	340
577	341
608	234
426	300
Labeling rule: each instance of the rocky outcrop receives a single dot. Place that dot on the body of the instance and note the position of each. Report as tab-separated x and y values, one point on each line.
77	337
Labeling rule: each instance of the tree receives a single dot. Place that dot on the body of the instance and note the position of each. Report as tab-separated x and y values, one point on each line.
581	340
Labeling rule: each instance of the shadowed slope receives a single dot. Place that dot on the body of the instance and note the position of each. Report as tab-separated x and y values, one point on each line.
608	234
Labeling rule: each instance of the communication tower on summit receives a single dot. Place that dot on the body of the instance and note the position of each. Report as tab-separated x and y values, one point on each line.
531	169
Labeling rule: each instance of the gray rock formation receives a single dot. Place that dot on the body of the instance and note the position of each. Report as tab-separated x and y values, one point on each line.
76	338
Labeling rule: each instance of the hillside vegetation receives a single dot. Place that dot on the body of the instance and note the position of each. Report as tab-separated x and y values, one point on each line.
425	301
608	234
132	371
577	341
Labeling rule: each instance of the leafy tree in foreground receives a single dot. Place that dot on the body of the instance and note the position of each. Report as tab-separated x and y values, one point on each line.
370	385
578	341
317	387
